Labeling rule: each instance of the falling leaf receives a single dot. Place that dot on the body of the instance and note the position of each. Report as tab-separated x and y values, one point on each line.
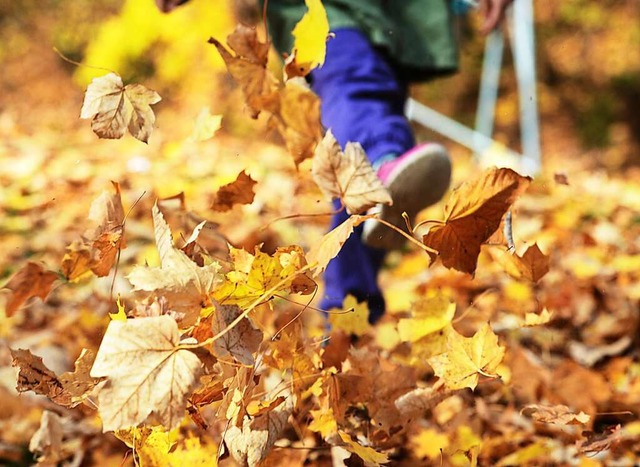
532	265
241	342
250	444
298	120
466	358
240	191
311	33
147	373
329	246
151	444
76	263
120	315
106	237
561	178
114	107
347	176
46	442
324	422
557	414
370	456
429	315
532	319
256	408
353	319
33	280
206	125
472	214
249	68
181	281
429	443
68	390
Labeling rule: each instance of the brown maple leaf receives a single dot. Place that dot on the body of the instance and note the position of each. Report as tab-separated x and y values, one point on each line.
472	214
32	280
240	191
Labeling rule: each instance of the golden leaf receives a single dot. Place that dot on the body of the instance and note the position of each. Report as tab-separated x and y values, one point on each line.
347	176
557	414
114	107
147	373
310	41
429	315
472	214
329	246
33	280
240	191
206	125
370	456
354	319
466	358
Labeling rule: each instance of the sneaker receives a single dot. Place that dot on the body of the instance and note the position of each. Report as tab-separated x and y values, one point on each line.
416	180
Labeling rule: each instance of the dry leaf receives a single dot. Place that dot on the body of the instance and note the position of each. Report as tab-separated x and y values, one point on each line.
249	68
240	191
46	442
241	342
467	358
114	107
532	319
251	444
429	315
33	280
206	125
370	456
353	318
182	282
533	264
106	236
147	373
347	176
329	245
472	214
557	414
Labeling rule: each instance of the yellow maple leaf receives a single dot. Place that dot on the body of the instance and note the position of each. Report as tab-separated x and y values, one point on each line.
429	315
324	422
310	35
370	456
354	319
206	125
467	358
429	443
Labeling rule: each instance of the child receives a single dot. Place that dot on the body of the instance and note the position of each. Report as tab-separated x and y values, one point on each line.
379	46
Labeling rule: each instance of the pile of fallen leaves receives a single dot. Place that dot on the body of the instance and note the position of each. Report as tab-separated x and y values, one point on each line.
511	336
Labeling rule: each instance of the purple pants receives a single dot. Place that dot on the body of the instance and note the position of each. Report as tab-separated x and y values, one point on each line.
362	101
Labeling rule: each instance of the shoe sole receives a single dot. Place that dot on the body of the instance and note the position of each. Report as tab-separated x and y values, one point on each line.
415	184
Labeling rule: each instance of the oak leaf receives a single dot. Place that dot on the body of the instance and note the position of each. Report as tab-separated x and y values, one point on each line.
310	40
240	191
370	456
147	373
114	107
241	342
472	214
329	246
248	67
467	358
347	175
182	282
557	414
32	280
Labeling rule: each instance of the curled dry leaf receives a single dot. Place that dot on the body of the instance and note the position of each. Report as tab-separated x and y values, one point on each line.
46	442
33	280
465	359
182	282
329	246
147	373
114	107
250	444
347	176
249	68
472	214
241	342
556	414
68	390
240	191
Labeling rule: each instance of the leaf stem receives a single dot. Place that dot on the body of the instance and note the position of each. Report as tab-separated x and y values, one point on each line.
407	236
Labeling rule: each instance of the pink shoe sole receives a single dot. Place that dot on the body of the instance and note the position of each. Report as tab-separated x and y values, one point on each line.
416	180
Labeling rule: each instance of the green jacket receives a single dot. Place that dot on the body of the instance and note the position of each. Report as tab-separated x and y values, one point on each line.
416	34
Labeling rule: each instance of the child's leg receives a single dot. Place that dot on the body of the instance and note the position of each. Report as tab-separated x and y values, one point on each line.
362	101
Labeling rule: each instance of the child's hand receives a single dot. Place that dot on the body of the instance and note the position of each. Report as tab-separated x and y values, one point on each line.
493	12
167	5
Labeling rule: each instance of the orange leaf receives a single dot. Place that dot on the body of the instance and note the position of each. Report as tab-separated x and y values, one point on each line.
533	264
240	191
472	215
557	414
33	280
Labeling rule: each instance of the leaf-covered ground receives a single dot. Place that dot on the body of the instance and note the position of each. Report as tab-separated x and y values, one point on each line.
554	360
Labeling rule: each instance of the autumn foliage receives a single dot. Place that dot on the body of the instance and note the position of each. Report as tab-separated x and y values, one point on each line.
511	335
